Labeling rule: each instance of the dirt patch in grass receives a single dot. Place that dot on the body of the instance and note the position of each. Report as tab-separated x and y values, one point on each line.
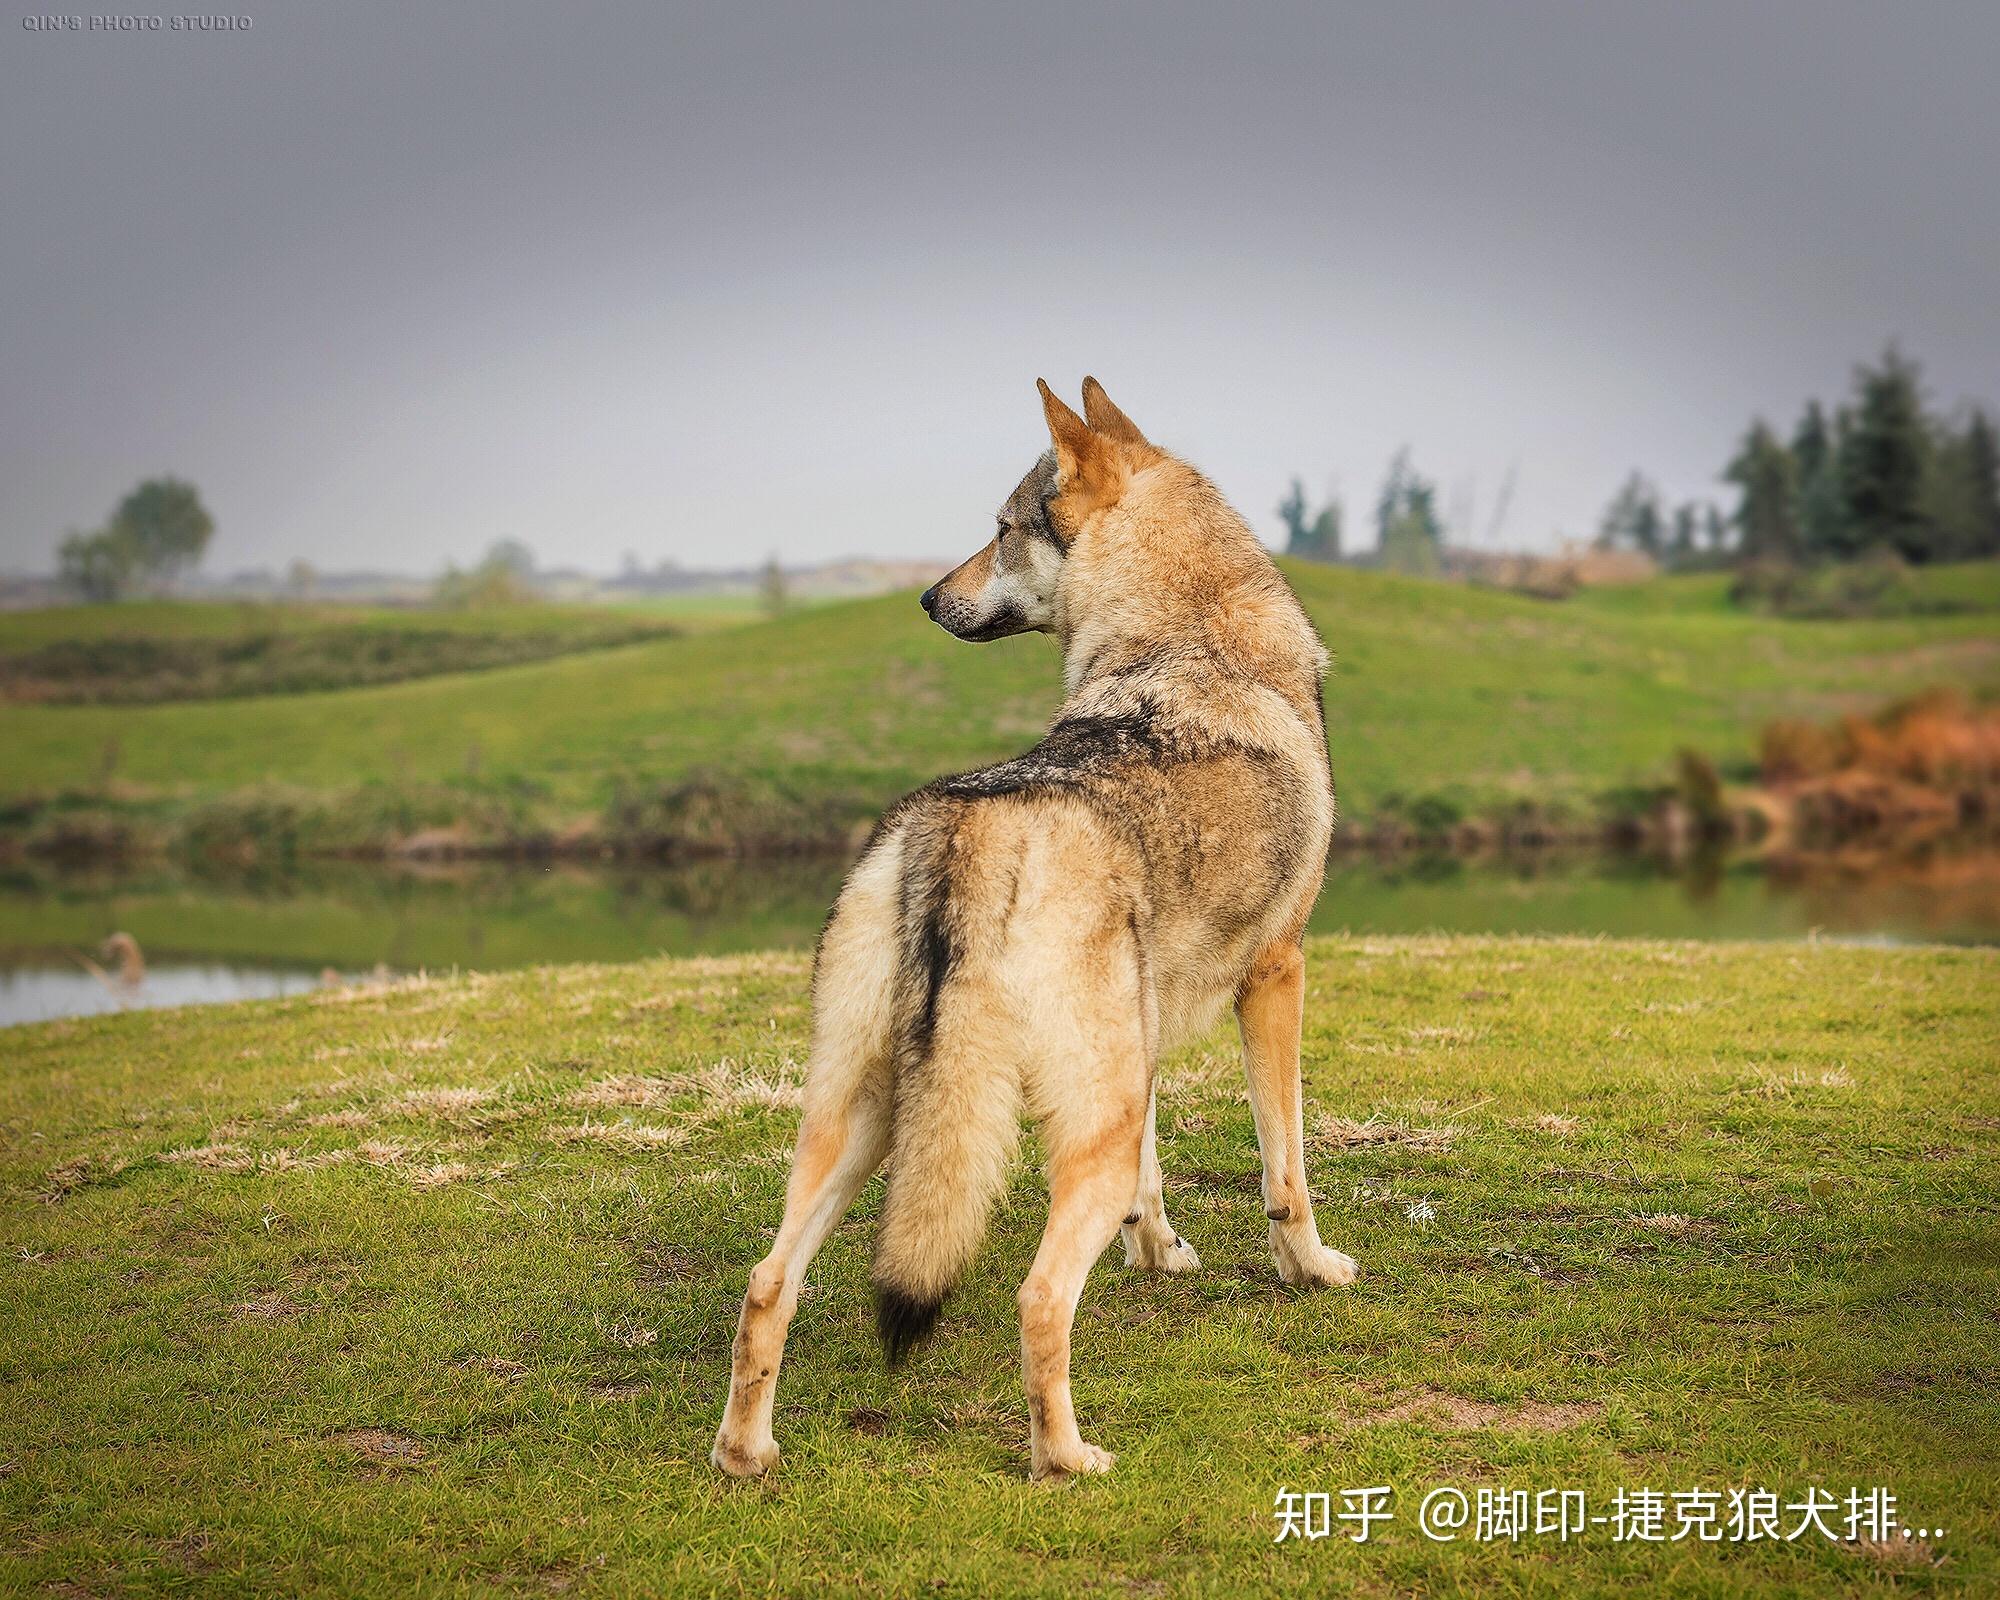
1460	1415
383	1447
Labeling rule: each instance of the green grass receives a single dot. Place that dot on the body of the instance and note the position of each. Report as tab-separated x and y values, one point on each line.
1703	1215
225	619
1438	689
163	651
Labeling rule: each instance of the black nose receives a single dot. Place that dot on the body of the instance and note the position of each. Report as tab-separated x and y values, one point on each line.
928	599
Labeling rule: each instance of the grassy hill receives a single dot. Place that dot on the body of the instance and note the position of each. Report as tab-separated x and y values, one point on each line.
1438	690
156	651
429	1289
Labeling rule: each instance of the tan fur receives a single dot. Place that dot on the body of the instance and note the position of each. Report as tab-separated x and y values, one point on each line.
1032	937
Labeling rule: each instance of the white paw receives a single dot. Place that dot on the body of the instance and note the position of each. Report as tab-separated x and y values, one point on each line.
1164	1251
1314	1266
1074	1463
751	1460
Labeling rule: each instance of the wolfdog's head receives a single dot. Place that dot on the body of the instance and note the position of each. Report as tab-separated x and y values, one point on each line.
1015	583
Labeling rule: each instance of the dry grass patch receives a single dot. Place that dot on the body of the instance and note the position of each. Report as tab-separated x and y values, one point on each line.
275	1306
624	1135
722	1085
1908	1553
1776	1085
1203	1072
349	1117
223	1157
1343	1133
383	1447
437	1174
1458	1414
59	1183
1671	1222
443	1104
1443	1035
627	1089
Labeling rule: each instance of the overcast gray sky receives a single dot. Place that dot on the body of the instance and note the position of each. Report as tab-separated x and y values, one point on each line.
390	281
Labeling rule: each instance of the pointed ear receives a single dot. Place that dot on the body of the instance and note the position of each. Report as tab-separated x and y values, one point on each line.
1075	445
1107	419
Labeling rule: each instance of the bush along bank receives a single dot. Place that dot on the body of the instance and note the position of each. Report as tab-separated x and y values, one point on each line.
697	817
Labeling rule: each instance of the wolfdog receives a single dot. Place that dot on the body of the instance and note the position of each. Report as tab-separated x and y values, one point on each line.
1034	935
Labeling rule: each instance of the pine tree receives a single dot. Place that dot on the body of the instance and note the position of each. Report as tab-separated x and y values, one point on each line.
1982	466
1822	525
1766	479
1312	538
1635	520
1406	520
1292	510
1881	461
1714	527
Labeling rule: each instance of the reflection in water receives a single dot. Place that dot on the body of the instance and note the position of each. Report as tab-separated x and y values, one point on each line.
37	994
227	938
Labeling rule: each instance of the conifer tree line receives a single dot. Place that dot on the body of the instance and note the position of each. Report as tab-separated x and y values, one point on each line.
1409	531
1877	474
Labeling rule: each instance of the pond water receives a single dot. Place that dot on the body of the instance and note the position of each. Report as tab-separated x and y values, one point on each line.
234	938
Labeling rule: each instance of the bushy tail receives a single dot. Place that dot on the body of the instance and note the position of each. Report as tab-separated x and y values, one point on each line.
957	1107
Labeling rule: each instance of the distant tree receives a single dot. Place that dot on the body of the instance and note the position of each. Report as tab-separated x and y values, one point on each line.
509	555
1881	461
1326	531
1982	469
1766	480
774	596
1960	499
157	532
1820	512
1308	536
167	525
96	565
1406	520
1635	519
502	578
1714	528
1294	512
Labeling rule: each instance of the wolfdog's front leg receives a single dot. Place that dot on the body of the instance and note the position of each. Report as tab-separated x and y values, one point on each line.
839	1147
1150	1241
1269	1010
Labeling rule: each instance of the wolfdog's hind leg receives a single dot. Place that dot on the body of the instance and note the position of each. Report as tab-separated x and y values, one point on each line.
1150	1241
843	1135
1093	1172
837	1152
